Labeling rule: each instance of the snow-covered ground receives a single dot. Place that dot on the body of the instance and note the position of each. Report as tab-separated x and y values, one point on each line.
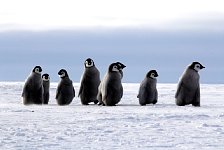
126	126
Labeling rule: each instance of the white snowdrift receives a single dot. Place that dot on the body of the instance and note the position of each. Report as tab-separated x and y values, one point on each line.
126	126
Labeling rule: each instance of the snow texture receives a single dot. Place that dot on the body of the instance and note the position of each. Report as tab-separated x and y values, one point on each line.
126	126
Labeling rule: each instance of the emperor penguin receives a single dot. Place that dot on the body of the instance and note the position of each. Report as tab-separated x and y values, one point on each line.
65	91
33	87
188	89
148	93
89	83
46	86
121	67
111	88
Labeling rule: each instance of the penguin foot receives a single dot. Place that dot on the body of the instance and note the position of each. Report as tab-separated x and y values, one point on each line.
196	104
95	101
154	102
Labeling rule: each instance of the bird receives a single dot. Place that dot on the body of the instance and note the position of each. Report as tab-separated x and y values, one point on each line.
148	93
188	89
65	91
89	83
46	86
33	87
111	90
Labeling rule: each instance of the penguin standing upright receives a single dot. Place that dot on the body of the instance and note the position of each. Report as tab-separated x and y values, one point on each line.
65	91
148	92
120	67
46	86
111	90
188	89
89	83
33	88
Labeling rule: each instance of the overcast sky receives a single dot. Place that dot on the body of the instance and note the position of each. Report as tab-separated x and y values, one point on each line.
70	14
165	35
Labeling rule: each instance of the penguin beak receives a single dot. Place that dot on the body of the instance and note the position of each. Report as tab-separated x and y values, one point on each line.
202	67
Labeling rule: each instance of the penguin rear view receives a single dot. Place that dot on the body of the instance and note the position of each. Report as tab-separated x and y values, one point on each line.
33	88
65	90
112	90
89	83
148	92
188	90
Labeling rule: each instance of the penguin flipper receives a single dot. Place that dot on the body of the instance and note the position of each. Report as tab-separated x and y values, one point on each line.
196	101
142	95
156	97
73	91
81	88
58	91
180	84
40	97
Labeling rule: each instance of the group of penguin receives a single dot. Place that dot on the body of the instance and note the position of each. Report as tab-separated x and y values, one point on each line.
109	90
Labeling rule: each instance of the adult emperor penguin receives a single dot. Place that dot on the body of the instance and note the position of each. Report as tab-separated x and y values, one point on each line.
33	88
148	92
121	67
111	89
46	86
65	91
188	89
89	83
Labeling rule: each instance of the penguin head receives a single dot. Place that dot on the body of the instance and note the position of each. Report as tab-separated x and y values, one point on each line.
45	77
120	65
196	66
113	67
37	69
89	63
63	73
152	74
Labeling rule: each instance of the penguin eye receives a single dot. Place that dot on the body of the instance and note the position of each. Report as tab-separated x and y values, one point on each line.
37	70
115	68
153	74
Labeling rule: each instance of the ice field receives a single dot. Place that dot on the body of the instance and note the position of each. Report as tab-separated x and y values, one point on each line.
126	126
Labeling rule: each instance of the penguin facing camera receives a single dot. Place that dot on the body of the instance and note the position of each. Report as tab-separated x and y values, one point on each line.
65	91
46	86
89	83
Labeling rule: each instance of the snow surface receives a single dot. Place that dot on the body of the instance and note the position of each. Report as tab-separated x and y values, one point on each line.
126	126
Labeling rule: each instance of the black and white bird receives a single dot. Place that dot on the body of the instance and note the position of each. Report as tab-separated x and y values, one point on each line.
65	91
89	83
33	88
111	89
148	93
188	90
46	86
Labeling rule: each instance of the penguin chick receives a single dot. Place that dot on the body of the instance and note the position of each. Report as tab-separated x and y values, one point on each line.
46	86
111	88
89	83
99	95
33	88
148	92
188	89
65	91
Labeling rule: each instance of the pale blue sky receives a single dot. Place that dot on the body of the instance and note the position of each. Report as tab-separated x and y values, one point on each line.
143	34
